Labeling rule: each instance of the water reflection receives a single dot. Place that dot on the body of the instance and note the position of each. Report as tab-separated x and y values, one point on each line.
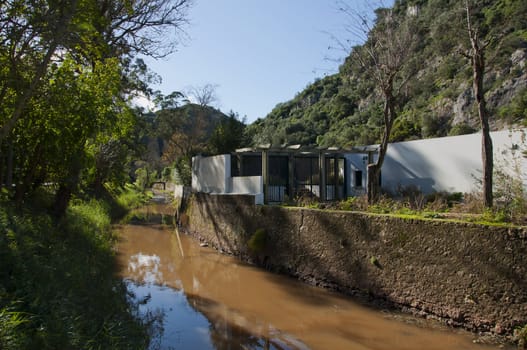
183	322
203	300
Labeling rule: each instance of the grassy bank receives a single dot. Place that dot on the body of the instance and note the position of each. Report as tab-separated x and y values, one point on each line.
58	288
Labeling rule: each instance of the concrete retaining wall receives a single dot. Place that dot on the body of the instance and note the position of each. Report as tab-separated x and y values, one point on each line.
470	275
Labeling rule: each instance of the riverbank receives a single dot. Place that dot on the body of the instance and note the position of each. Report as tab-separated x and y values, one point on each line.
467	275
58	287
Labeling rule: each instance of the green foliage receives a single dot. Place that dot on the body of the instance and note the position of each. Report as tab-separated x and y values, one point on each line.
404	129
183	171
127	197
11	322
228	135
516	111
57	284
257	242
143	178
185	131
354	204
492	216
384	205
520	335
461	129
375	262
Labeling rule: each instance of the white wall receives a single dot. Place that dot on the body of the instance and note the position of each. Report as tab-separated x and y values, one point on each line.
247	184
211	174
451	164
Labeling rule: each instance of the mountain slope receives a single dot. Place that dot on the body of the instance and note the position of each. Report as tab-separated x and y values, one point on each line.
344	108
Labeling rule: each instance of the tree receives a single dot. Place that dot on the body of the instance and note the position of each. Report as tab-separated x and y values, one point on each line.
66	71
476	54
204	95
228	135
385	57
169	101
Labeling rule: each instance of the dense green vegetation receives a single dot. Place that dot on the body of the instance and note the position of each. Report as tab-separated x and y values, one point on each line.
346	109
58	287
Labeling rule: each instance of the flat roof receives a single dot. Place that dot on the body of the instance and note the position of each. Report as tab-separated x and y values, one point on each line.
306	149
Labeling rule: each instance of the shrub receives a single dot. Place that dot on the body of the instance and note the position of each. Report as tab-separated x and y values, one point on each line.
520	334
307	199
131	197
257	241
354	203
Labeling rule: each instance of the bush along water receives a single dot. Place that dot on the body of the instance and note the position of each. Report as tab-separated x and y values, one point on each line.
58	288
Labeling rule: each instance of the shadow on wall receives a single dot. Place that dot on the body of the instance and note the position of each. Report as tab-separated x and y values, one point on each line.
432	165
330	258
209	174
212	207
405	166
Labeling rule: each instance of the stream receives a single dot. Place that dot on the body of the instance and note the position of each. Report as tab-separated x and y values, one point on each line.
196	298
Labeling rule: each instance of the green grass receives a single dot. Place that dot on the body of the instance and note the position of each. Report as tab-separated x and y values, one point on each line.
58	288
131	197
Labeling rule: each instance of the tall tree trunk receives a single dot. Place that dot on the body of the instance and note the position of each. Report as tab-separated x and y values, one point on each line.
65	191
9	173
62	198
374	170
487	156
477	57
27	184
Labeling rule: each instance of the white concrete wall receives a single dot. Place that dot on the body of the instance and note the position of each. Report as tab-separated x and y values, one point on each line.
211	174
451	164
246	184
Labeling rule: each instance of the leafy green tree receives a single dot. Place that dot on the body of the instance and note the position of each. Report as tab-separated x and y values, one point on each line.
67	70
228	135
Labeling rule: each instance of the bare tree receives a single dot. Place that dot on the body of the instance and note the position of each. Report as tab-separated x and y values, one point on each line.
384	57
142	26
204	95
476	55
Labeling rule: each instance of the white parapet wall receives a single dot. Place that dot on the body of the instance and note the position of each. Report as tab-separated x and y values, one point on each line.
211	174
451	164
247	184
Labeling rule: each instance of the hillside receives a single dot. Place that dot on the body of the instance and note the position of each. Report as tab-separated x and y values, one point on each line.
345	109
173	135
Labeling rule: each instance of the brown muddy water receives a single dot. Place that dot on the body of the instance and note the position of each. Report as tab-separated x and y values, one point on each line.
196	298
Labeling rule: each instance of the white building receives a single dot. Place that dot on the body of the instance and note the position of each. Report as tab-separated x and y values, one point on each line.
449	164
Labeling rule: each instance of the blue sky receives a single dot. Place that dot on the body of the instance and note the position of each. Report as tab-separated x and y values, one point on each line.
258	53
